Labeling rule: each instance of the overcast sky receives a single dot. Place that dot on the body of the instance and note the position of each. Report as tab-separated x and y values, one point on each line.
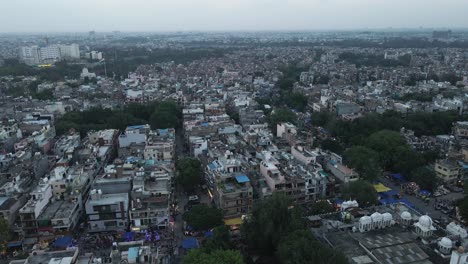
171	15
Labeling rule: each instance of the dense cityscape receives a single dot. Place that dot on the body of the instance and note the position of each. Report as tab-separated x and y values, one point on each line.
234	147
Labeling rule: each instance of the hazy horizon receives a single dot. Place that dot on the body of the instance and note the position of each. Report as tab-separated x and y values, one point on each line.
31	16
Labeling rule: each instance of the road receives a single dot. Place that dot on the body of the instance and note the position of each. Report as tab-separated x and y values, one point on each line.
420	205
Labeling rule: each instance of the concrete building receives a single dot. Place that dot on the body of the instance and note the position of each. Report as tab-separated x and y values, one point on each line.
30	212
447	170
150	199
107	212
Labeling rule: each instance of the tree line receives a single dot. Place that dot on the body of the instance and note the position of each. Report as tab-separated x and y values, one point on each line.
164	114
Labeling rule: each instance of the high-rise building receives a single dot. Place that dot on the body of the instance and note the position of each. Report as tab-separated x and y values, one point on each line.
50	54
70	51
34	55
30	55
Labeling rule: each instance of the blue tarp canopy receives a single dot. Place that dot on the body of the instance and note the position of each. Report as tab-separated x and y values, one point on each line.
129	236
190	243
425	192
208	233
389	193
242	178
339	201
63	242
15	244
398	176
408	203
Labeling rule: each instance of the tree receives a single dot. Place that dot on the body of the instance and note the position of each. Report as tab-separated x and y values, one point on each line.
363	191
364	161
332	145
5	231
197	256
385	143
301	247
321	207
166	114
270	221
189	173
425	178
281	115
203	217
406	160
221	240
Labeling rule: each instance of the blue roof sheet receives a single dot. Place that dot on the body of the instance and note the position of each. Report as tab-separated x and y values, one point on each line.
242	178
63	242
190	243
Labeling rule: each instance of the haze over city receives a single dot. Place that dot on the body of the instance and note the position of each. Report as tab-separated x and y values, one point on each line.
225	15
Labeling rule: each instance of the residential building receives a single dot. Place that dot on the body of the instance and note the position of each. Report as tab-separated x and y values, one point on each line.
107	212
447	170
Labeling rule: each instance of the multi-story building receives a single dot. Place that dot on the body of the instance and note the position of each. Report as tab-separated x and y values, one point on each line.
69	51
107	212
30	55
50	54
447	170
150	199
229	186
30	212
160	145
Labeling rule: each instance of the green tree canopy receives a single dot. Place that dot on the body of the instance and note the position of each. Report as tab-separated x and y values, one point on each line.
425	178
386	142
321	207
203	217
364	161
270	221
198	256
281	115
166	114
189	173
301	247
221	240
5	231
360	190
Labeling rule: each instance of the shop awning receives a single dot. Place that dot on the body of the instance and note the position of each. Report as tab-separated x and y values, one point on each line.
233	221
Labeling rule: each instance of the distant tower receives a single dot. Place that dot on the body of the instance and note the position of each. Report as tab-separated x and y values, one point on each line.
92	35
46	39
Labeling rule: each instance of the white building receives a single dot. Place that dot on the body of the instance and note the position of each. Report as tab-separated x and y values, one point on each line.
70	51
30	55
107	212
50	54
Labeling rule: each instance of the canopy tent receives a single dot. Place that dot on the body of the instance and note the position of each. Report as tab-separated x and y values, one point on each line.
209	234
398	177
389	193
233	221
380	188
63	242
425	192
15	244
129	236
408	203
190	243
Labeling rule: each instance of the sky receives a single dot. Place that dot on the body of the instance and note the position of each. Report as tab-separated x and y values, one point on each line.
228	15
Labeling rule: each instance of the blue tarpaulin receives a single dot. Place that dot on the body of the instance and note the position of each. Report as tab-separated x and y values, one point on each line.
190	243
63	242
424	192
15	244
389	193
408	203
208	233
398	176
129	236
242	178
